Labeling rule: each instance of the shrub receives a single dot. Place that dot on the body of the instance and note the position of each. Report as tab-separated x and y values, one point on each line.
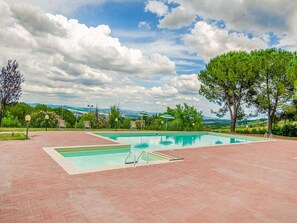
10	121
38	119
285	130
126	123
277	130
289	130
88	117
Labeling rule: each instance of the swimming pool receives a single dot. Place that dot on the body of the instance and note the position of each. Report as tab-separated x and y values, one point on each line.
159	141
130	147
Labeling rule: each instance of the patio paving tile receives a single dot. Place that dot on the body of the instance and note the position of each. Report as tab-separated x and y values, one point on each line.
236	183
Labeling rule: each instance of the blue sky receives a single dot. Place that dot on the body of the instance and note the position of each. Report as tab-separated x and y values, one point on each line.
140	54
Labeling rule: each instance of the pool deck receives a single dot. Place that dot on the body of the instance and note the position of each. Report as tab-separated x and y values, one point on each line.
236	183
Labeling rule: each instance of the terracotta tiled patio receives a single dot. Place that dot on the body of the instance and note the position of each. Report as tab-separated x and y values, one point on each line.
237	183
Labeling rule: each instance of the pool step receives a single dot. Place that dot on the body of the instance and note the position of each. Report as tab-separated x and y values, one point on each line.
131	162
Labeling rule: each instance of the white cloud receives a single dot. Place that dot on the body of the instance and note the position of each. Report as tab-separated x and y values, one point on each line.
144	25
177	18
66	62
208	41
58	6
187	84
156	6
244	15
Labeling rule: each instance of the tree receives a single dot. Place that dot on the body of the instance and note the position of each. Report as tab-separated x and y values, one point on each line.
226	81
114	115
10	86
38	119
88	117
272	87
19	110
68	116
42	107
186	118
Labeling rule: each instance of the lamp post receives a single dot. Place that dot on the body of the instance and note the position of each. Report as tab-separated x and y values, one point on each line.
27	119
76	115
90	107
62	111
193	126
46	119
116	121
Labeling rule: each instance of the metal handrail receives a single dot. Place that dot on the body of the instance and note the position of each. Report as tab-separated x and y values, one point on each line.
268	137
141	155
131	152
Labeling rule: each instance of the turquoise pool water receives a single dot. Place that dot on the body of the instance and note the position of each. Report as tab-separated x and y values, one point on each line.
111	156
156	141
92	157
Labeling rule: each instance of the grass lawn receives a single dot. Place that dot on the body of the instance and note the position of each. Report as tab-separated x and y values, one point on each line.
52	129
10	136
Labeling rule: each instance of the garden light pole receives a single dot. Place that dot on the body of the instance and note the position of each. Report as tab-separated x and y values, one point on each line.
46	120
76	115
27	119
62	111
116	121
90	106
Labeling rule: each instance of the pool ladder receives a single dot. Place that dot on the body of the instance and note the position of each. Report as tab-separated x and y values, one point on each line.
135	160
268	136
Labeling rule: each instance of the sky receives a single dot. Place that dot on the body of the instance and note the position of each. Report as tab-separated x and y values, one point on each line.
140	54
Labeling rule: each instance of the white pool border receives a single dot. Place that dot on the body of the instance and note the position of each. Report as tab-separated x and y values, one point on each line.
72	169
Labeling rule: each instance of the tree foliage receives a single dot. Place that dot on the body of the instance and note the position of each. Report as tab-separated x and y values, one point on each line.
38	119
10	85
114	115
10	121
88	117
68	116
186	118
273	85
226	81
19	110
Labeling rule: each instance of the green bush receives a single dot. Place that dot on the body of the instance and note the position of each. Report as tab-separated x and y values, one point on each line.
277	130
68	116
88	117
126	123
19	110
285	130
259	131
10	121
38	119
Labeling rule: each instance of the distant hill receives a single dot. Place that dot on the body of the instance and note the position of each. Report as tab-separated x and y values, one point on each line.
105	111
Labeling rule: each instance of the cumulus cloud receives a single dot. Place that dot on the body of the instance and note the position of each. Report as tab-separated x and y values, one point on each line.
77	43
35	21
245	15
60	6
144	25
177	18
208	41
66	62
156	6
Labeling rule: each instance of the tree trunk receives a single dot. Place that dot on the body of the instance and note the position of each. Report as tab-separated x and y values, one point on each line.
270	124
233	123
1	117
1	112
